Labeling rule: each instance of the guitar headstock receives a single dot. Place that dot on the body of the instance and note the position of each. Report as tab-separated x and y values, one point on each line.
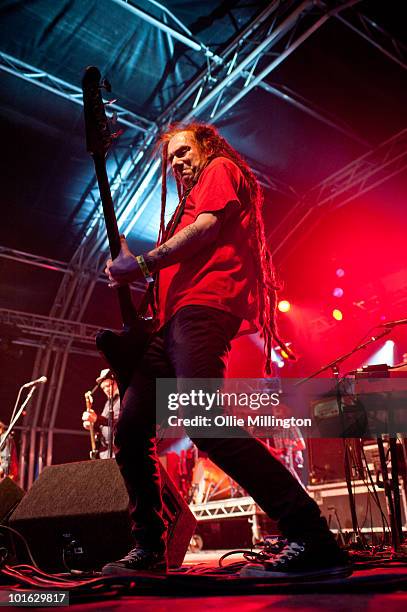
98	136
88	399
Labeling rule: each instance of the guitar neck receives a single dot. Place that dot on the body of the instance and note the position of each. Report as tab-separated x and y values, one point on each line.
127	310
92	437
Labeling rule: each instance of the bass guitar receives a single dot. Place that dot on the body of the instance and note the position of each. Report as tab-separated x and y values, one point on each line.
121	350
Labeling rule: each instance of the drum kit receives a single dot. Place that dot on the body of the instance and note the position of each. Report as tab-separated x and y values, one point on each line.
210	483
198	479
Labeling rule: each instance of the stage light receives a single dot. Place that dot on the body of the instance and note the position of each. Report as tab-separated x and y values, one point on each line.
340	272
280	364
385	354
337	292
284	306
337	314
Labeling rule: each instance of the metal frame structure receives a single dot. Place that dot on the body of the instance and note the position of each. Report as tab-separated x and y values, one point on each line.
223	81
375	35
54	265
225	508
66	90
185	38
358	177
235	507
40	326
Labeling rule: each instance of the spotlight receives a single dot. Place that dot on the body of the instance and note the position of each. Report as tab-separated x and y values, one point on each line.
284	306
337	292
385	354
340	272
337	314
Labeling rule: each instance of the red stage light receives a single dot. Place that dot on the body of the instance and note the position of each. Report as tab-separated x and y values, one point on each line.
337	314
337	292
284	306
340	272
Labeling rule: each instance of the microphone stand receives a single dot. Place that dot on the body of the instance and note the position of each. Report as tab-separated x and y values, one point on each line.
16	415
333	365
110	421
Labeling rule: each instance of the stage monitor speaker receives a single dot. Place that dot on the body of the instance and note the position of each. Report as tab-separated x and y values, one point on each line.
75	515
10	496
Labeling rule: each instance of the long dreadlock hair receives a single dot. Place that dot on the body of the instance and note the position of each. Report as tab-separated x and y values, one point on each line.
212	145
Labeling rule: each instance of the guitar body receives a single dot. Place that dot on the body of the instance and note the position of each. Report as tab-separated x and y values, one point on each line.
123	350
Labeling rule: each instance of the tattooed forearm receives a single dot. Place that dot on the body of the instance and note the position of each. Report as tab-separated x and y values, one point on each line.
163	250
190	231
184	244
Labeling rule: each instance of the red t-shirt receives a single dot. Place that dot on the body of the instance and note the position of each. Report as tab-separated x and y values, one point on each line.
221	275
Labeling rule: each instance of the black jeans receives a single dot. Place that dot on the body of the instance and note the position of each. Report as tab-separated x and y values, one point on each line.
195	344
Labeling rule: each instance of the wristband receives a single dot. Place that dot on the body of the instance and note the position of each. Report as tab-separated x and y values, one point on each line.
143	267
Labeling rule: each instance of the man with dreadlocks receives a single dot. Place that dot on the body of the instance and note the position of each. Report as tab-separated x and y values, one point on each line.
214	270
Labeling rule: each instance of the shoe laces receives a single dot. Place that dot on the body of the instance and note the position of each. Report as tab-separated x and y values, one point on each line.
290	550
272	546
137	554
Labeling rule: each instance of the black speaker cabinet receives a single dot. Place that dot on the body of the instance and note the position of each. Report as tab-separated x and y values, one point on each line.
10	496
75	515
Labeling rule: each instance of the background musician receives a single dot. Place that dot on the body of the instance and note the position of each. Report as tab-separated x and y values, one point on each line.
108	385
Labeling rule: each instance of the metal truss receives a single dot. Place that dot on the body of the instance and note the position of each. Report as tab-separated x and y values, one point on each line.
66	90
54	265
42	327
310	109
360	176
213	97
186	38
35	260
225	508
375	35
39	261
74	350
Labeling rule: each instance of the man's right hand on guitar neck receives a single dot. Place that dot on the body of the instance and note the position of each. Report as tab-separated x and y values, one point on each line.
89	417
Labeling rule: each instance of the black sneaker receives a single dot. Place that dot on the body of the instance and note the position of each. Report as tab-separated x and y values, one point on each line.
300	560
137	560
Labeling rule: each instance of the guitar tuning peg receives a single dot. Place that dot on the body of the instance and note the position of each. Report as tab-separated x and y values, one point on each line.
105	84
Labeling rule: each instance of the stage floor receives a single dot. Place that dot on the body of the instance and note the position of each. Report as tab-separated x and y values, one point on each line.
369	588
